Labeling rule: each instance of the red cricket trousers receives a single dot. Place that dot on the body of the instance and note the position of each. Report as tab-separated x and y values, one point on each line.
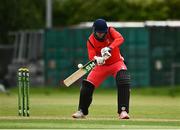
99	73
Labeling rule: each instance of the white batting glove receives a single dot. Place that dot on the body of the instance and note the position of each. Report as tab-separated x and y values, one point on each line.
99	60
105	52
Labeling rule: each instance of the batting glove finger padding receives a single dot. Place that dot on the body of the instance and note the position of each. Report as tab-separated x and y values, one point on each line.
99	60
106	55
105	52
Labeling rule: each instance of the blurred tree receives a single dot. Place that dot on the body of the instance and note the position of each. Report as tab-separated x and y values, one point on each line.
30	14
74	11
20	14
174	9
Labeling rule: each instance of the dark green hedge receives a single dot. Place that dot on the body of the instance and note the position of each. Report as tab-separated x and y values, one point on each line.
30	14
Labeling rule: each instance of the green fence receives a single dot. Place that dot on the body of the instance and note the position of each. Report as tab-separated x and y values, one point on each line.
136	53
165	52
151	54
65	48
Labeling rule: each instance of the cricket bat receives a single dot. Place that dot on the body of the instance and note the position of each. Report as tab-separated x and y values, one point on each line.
79	73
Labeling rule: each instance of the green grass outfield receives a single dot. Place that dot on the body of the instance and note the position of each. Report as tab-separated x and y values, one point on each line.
50	107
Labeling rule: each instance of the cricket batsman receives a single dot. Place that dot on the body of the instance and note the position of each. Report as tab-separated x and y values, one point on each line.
103	46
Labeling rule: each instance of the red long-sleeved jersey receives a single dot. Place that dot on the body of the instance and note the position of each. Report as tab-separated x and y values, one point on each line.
113	40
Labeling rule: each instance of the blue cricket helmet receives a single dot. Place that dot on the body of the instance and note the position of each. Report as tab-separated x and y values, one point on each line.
100	26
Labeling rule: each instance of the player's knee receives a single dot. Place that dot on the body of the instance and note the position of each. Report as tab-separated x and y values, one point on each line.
87	87
123	78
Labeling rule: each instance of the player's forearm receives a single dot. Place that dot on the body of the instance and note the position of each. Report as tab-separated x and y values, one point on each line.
91	55
117	42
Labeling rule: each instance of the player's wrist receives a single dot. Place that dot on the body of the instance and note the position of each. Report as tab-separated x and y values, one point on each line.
110	49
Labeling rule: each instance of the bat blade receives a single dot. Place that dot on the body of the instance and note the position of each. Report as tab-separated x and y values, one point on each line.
74	77
79	73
